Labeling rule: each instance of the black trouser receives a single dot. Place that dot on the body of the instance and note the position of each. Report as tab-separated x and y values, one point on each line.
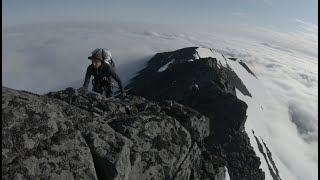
103	85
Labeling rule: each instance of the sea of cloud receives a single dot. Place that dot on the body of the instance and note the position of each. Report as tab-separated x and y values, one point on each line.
47	57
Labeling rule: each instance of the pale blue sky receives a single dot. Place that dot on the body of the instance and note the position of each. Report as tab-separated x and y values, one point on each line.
281	13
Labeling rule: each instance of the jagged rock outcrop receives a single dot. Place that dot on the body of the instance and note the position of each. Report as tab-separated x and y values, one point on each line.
39	141
65	135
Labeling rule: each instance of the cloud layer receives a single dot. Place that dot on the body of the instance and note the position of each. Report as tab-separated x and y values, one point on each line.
45	57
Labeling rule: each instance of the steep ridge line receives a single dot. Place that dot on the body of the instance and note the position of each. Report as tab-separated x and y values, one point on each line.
209	88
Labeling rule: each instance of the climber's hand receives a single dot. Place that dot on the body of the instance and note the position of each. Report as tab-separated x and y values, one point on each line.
124	94
84	91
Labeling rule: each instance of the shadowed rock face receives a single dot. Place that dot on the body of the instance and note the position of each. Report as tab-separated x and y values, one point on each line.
214	97
175	131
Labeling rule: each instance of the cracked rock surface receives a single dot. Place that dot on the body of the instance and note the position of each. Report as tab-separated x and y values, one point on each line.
61	135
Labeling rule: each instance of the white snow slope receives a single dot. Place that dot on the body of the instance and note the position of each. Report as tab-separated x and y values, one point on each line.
46	57
260	121
227	176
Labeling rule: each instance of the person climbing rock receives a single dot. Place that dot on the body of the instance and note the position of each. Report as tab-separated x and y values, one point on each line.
102	69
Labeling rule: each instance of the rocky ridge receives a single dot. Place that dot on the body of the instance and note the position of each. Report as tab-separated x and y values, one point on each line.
159	131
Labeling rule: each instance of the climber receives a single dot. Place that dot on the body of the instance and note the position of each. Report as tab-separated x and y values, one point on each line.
102	69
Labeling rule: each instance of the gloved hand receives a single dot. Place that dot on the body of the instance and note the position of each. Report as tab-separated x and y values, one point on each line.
84	91
123	94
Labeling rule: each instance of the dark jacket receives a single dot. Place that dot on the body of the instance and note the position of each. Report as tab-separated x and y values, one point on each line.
105	70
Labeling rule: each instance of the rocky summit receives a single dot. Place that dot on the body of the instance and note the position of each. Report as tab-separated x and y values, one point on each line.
180	120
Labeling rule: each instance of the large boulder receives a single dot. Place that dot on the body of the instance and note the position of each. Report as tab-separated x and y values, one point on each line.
161	144
65	135
39	141
196	123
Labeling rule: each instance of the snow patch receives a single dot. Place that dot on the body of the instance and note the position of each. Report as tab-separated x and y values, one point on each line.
267	157
196	56
227	177
170	56
254	113
206	52
220	58
163	68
